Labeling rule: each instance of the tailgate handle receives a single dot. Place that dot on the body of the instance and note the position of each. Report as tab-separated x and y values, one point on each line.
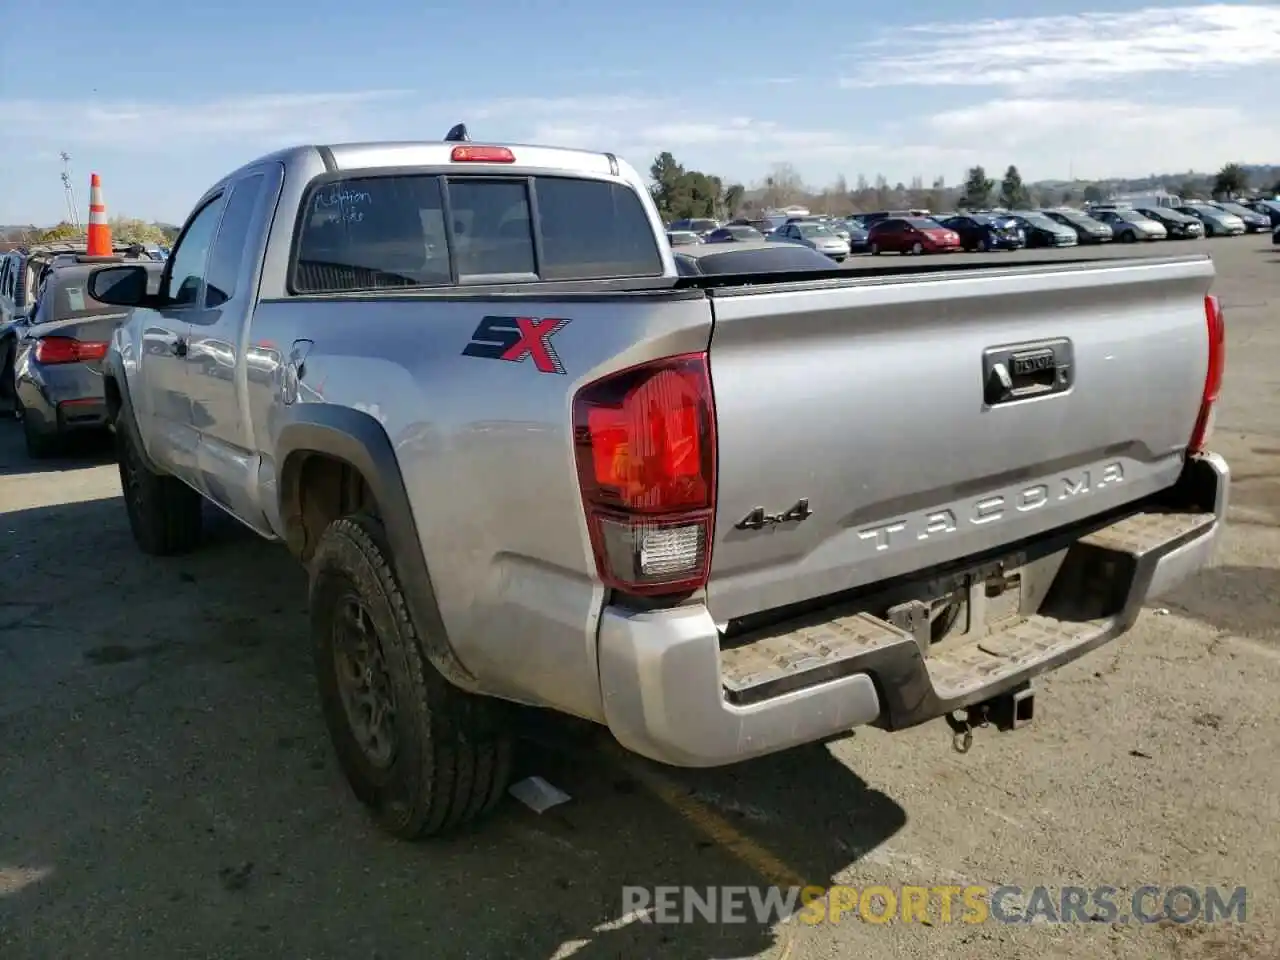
1026	371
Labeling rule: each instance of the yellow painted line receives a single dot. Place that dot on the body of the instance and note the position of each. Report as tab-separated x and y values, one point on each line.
725	835
746	850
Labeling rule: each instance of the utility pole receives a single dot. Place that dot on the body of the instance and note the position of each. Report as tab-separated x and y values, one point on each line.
70	193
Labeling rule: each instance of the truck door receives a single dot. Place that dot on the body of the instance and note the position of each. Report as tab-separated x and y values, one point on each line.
164	399
217	341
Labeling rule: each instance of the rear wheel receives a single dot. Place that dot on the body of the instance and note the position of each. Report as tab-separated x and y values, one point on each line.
875	249
1128	237
165	515
982	245
421	754
917	249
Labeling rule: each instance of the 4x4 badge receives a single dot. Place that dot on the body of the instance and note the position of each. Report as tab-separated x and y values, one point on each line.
757	519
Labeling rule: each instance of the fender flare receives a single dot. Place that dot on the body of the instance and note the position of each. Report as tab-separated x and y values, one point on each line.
359	440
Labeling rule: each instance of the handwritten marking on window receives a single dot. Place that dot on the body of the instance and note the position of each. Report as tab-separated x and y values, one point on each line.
341	197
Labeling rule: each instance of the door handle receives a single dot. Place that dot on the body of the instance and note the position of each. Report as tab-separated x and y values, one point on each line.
1023	371
179	347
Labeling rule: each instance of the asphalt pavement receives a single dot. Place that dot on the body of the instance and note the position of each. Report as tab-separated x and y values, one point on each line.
167	788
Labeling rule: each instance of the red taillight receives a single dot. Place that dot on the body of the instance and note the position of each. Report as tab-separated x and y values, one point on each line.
468	154
645	444
50	350
1217	331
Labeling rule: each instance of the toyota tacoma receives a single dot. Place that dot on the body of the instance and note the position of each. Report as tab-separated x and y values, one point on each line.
529	461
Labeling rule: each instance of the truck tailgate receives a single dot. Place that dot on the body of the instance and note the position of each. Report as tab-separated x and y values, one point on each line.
873	427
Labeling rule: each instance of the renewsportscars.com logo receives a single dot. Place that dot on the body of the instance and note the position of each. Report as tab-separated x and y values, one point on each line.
936	904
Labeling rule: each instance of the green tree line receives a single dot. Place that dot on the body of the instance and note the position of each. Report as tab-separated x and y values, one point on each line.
123	230
681	192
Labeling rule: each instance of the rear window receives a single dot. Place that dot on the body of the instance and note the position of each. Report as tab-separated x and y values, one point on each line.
370	233
68	298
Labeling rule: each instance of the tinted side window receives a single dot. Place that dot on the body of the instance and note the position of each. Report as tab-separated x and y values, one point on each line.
229	249
192	254
369	233
492	234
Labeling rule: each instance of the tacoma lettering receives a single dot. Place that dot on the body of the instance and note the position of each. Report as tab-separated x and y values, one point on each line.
994	508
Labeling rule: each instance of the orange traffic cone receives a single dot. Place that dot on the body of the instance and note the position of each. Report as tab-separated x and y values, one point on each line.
99	228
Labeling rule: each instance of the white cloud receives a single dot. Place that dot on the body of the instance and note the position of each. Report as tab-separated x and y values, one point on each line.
1046	138
263	120
1040	53
736	147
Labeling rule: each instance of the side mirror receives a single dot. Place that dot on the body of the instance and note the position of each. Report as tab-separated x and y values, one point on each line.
119	286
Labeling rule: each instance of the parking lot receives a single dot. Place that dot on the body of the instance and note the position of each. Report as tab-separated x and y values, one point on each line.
167	787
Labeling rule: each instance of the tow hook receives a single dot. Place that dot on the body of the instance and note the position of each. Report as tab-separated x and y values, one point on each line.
1009	711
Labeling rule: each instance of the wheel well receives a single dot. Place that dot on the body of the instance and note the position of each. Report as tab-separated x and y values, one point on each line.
319	490
112	392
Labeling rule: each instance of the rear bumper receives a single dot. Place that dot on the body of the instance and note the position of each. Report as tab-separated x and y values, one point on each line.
671	694
63	399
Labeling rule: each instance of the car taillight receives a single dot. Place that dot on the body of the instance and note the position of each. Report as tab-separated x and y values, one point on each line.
51	350
1217	331
645	444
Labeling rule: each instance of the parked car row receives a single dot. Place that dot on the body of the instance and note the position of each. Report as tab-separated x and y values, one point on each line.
53	336
922	231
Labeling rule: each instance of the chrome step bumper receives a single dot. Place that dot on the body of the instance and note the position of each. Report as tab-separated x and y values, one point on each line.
673	694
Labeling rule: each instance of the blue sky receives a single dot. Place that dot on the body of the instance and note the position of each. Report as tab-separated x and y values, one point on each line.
162	100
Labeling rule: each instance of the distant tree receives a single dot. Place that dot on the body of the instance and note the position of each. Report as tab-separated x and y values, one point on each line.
733	195
667	176
1275	189
1093	194
1231	181
1013	194
128	230
61	231
680	193
783	186
882	196
1068	198
1189	190
977	189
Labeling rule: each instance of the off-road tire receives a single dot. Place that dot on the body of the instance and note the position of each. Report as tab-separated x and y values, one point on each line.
452	756
166	516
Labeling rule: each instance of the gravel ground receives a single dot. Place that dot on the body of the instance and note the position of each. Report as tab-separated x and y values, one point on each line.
167	789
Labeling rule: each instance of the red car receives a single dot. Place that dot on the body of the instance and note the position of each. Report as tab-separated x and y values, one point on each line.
911	235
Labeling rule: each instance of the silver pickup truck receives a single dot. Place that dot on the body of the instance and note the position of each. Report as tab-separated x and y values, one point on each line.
527	461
